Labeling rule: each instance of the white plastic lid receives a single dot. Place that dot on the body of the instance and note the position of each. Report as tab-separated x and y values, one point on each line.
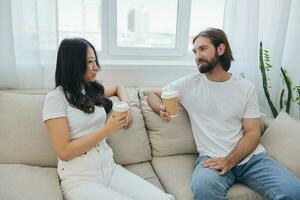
120	106
169	94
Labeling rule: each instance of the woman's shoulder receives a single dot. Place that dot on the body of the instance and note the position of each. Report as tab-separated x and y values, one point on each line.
54	104
55	94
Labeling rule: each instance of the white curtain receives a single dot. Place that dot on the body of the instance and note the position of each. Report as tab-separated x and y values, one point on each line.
29	35
276	24
291	57
8	74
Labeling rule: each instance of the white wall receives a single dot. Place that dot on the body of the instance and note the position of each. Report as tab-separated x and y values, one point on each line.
142	76
133	74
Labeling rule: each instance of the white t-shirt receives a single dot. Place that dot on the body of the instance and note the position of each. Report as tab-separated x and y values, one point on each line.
216	110
80	123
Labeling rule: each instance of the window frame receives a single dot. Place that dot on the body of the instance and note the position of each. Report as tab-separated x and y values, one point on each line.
110	52
181	41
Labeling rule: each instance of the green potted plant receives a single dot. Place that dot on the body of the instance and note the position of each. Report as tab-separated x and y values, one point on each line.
265	66
297	99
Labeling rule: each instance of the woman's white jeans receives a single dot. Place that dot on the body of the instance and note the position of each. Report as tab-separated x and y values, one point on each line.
95	176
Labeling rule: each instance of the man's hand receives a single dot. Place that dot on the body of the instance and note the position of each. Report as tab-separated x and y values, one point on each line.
163	114
222	164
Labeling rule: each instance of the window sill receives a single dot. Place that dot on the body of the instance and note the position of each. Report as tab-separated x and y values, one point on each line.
145	64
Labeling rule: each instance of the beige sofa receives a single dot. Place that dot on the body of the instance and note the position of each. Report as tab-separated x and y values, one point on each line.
162	153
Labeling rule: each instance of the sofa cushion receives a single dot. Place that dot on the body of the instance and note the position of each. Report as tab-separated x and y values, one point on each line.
145	171
266	121
24	139
29	183
167	138
242	192
132	145
281	140
133	97
175	173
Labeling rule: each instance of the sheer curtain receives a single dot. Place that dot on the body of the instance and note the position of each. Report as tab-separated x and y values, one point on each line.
291	58
274	22
30	43
8	72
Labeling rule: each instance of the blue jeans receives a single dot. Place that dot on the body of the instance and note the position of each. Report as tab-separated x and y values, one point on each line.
261	173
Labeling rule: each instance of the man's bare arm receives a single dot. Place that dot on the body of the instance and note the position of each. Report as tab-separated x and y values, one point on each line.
156	103
248	142
245	146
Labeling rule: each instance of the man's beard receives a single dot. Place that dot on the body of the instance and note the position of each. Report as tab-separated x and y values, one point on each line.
209	65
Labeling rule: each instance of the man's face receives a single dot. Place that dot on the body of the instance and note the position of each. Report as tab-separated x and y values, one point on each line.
206	56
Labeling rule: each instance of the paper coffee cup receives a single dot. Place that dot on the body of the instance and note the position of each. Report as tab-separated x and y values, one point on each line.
120	107
170	101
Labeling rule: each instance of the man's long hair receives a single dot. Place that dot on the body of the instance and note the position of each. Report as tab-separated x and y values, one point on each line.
218	37
71	66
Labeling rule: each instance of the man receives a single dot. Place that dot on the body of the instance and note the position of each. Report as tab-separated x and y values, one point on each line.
225	120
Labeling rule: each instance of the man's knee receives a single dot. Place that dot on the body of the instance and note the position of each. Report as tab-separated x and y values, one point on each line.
288	192
291	193
207	183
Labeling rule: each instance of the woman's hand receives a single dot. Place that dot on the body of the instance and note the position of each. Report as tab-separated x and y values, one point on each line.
116	123
129	119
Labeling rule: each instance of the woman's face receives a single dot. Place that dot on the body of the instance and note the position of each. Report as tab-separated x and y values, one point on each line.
92	68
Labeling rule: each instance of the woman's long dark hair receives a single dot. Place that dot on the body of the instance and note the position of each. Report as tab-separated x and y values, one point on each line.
71	66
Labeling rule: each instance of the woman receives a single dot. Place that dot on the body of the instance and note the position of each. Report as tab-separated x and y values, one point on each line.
75	116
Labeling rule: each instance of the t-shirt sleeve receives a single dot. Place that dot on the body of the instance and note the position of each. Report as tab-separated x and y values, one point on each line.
178	86
54	106
252	106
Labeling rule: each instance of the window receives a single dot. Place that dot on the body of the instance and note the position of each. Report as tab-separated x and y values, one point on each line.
205	14
146	28
80	18
133	29
146	23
